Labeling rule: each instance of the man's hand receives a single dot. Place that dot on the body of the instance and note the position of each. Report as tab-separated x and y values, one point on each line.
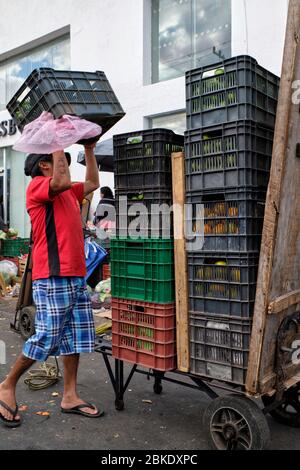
90	146
92	173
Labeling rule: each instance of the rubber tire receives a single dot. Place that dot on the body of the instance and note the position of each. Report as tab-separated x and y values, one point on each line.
29	312
290	421
249	410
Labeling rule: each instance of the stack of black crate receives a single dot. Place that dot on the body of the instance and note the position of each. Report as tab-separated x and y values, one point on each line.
231	111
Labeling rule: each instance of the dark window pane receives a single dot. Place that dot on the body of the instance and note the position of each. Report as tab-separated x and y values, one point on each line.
187	34
14	71
172	41
213	31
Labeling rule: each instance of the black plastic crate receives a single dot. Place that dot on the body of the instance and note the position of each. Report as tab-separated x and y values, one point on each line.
229	221
223	283
228	155
154	221
234	89
143	158
84	94
219	347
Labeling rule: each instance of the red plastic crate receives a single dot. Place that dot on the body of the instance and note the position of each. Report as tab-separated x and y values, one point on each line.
105	272
146	314
144	333
144	359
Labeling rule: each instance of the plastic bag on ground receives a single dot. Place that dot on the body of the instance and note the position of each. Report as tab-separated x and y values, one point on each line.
46	135
9	271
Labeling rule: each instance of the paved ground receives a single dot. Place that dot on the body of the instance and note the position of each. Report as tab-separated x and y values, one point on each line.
172	421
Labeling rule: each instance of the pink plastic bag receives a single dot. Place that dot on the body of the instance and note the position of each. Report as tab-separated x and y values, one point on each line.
47	135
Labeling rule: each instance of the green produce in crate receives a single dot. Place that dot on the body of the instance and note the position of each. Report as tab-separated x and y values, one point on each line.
12	233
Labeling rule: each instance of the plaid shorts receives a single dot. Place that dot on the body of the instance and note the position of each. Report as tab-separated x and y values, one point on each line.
64	322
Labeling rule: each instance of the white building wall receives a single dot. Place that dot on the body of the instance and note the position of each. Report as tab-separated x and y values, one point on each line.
114	36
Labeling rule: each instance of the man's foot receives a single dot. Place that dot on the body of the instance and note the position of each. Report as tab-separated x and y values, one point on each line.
68	403
7	396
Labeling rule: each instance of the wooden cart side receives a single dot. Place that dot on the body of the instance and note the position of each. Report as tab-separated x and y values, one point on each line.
181	271
257	374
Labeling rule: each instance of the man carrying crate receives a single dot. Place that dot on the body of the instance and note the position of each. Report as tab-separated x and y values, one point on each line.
64	319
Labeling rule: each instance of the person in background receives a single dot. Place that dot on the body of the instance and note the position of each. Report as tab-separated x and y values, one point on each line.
106	199
64	320
3	225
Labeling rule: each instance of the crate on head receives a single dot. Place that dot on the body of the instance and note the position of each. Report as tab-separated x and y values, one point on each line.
223	284
234	89
229	155
143	159
84	94
229	220
219	347
143	214
143	269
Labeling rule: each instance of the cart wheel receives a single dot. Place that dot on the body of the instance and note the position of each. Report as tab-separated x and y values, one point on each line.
157	388
288	413
119	404
26	322
236	423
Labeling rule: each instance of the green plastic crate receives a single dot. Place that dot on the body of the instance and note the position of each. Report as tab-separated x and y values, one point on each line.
143	269
13	248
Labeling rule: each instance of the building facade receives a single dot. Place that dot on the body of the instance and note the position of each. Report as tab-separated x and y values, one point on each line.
143	46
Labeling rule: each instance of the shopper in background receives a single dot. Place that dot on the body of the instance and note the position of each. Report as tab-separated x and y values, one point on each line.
107	201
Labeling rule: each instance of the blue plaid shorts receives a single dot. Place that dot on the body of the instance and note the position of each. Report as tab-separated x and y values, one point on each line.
64	322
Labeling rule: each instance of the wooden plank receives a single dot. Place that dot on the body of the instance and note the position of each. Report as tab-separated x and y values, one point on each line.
260	339
284	302
181	272
2	286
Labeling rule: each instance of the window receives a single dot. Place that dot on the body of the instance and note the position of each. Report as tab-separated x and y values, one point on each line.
175	121
187	34
14	71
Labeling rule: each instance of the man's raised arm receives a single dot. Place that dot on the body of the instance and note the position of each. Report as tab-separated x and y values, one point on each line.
61	180
92	172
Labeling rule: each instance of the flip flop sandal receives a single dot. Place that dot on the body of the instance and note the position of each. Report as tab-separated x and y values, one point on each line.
14	423
77	410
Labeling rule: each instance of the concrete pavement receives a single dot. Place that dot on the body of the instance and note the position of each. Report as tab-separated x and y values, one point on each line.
172	421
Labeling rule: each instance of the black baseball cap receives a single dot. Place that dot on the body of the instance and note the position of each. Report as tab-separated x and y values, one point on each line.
34	158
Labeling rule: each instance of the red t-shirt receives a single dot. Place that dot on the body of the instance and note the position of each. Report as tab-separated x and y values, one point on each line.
58	243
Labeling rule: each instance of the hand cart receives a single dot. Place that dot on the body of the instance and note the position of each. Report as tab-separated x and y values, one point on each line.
234	420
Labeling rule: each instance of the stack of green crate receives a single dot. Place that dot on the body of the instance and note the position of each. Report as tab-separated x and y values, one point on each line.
143	269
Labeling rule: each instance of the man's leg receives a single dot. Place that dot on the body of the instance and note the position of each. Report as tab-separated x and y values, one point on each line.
8	386
70	397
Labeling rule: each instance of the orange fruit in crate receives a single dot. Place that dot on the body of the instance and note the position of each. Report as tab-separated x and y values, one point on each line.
207	229
233	211
220	209
220	228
